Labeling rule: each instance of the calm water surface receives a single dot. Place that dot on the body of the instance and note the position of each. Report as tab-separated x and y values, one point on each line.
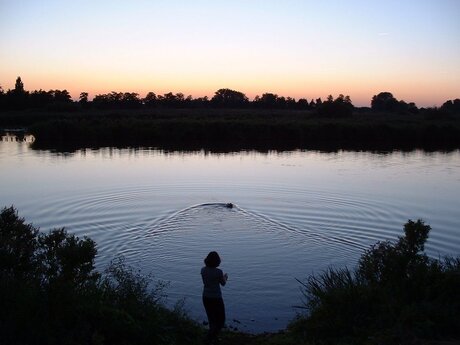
296	213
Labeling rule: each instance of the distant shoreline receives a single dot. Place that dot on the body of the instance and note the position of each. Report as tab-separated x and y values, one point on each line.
235	129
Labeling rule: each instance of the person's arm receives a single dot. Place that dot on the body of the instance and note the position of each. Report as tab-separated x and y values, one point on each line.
224	279
201	273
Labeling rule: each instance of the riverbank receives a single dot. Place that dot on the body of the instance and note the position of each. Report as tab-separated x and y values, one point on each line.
285	338
236	129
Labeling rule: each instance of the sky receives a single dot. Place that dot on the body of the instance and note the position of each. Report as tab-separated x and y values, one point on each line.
302	49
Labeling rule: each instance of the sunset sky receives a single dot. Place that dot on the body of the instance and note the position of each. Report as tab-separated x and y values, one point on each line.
303	49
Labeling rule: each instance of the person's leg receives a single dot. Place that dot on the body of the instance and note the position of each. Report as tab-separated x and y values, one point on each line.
212	313
220	314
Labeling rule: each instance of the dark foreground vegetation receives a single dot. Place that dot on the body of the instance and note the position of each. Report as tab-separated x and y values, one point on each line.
228	121
397	295
50	293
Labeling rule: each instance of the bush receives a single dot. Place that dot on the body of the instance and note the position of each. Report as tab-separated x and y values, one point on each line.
52	294
18	245
396	294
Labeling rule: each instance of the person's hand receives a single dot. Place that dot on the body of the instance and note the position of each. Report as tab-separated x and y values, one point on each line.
226	276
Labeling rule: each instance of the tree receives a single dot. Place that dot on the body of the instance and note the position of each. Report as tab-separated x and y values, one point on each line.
127	100
281	102
386	262
130	100
340	107
412	108
66	259
302	103
170	99
19	85
268	100
17	98
48	257
40	99
61	97
290	103
150	99
101	101
384	101
180	97
188	101
200	102
83	99
451	107
229	98
271	100
2	97
18	245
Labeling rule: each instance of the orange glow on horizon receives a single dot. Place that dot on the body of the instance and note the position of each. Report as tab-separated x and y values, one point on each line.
409	88
309	50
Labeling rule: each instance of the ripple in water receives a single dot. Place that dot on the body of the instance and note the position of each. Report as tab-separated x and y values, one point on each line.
262	256
264	250
289	222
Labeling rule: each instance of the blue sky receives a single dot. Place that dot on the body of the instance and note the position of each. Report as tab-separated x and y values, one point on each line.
292	48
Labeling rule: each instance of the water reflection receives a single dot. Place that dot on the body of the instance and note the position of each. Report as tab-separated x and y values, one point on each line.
17	136
296	212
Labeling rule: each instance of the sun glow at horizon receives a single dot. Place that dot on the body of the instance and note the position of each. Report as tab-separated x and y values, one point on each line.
297	49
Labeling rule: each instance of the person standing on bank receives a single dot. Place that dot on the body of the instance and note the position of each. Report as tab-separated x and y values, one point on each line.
213	278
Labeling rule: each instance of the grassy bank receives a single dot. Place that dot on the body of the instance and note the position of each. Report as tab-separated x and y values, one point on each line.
231	130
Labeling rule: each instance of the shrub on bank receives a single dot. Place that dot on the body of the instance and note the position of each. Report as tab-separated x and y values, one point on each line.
52	294
396	295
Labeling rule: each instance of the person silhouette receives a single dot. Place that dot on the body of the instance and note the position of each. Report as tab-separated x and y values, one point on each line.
213	278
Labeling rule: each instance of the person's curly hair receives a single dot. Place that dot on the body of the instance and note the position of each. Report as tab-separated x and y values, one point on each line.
212	260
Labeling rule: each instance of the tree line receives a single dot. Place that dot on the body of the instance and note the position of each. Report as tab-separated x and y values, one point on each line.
342	106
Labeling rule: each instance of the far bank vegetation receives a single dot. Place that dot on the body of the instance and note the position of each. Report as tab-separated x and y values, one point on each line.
227	121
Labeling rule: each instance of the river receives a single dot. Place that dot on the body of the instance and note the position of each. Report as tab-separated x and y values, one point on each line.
294	213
